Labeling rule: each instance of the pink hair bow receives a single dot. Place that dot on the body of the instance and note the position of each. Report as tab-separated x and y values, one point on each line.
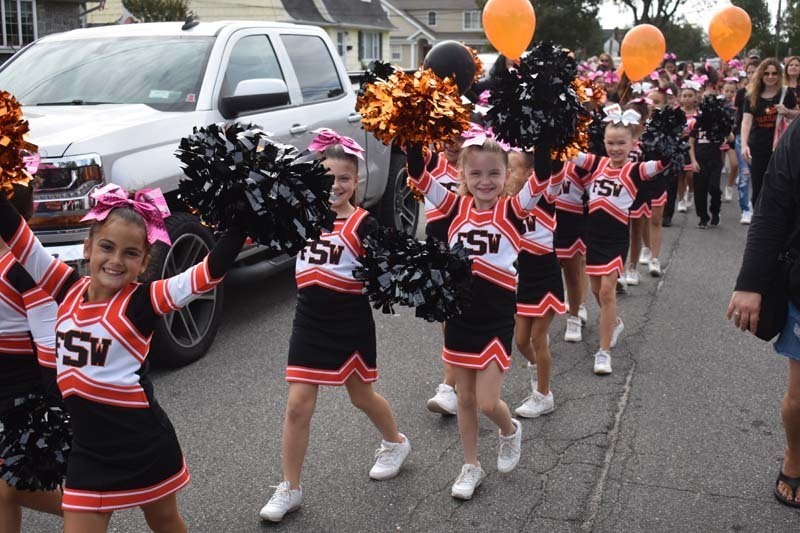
476	135
655	76
642	100
614	114
594	74
669	56
483	98
327	137
701	79
150	204
735	63
733	79
31	163
610	77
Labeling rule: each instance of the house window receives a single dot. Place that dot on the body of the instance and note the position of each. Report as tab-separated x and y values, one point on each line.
19	22
341	49
472	20
370	46
397	54
431	18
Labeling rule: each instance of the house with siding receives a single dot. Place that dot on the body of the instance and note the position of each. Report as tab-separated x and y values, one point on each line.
24	21
359	28
419	24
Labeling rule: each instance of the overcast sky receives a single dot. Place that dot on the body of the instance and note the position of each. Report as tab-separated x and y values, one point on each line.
611	15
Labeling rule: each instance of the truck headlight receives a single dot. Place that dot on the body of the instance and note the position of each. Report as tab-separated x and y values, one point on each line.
61	190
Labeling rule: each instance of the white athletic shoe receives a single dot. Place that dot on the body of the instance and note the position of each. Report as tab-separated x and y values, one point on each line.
389	458
727	196
632	276
467	481
444	401
689	199
536	404
509	449
573	331
681	206
622	284
583	314
283	501
617	331
655	267
644	258
747	217
534	376
602	362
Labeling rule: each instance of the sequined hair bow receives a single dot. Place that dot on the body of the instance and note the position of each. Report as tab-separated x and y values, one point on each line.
326	137
150	204
615	115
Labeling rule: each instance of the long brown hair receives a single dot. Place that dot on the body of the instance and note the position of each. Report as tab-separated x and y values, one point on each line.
756	84
786	69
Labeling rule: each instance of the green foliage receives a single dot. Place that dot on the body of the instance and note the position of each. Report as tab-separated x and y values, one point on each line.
791	27
760	18
660	13
158	10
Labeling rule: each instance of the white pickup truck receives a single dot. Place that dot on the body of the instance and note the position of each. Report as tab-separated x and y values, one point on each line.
110	104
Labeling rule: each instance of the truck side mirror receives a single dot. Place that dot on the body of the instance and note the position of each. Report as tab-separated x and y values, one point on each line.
253	95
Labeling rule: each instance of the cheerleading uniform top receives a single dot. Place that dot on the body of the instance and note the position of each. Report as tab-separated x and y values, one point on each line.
446	174
333	333
27	334
125	452
572	197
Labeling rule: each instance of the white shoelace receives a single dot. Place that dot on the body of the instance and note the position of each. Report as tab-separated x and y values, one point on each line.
385	455
602	358
468	475
507	447
281	496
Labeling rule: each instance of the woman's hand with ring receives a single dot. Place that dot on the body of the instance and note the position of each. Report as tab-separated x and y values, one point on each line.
744	310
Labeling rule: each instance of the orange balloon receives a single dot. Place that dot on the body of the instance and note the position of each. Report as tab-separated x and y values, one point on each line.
729	32
509	25
642	50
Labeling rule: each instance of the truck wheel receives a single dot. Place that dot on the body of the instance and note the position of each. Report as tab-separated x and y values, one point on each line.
399	209
184	336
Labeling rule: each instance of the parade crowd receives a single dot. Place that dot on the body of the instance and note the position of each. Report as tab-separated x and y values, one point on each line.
542	234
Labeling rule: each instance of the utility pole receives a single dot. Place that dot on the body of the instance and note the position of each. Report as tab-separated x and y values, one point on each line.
778	31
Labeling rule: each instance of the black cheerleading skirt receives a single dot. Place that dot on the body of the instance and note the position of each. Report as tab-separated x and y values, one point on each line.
484	331
641	204
657	190
569	238
121	457
35	441
607	246
540	288
333	338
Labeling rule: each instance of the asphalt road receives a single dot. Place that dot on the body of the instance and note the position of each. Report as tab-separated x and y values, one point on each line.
685	435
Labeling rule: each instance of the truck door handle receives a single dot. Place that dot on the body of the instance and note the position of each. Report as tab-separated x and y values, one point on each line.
298	128
355	117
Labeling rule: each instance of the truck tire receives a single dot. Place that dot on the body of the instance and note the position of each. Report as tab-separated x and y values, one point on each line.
184	336
398	208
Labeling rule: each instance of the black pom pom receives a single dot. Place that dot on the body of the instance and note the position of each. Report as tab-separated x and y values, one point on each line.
237	176
35	440
536	104
664	138
398	269
715	118
377	70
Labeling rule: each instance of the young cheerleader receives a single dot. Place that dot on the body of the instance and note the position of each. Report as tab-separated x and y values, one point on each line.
27	382
640	211
729	87
444	169
657	197
688	102
540	291
333	335
478	342
125	452
613	185
570	244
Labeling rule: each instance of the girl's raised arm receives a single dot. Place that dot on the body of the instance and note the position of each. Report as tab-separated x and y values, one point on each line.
438	195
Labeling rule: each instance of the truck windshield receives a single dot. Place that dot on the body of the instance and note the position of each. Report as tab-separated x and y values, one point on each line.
163	72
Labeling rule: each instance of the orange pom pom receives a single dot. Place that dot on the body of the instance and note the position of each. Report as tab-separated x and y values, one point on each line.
13	129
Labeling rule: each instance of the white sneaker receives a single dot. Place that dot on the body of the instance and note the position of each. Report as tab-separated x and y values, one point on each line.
689	199
632	276
283	501
644	258
573	331
602	362
681	206
467	481
389	458
444	401
583	314
617	331
536	404
747	217
727	196
534	376
622	284
509	449
655	267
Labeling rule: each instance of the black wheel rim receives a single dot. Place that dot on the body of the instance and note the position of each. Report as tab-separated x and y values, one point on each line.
406	207
188	326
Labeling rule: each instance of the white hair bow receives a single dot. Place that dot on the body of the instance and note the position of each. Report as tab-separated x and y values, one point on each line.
641	88
691	84
615	115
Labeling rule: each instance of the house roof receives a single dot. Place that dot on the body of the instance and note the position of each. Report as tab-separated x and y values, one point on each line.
433	5
351	13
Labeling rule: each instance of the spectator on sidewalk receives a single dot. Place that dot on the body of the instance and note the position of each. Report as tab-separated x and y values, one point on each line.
772	225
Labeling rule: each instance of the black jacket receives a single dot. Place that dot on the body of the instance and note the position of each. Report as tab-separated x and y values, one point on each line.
776	215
